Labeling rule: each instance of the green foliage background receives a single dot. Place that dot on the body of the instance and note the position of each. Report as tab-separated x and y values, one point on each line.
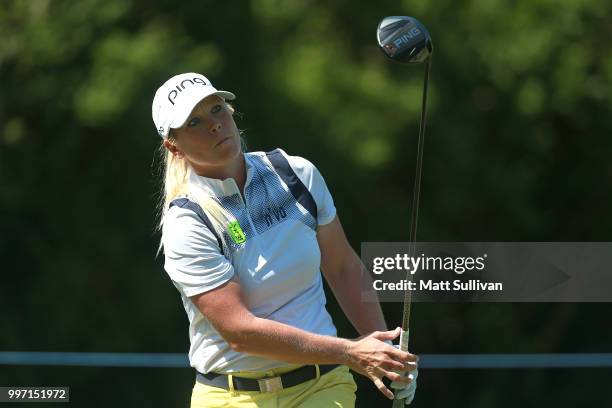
517	149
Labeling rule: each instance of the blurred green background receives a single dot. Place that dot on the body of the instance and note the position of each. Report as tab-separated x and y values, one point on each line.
517	149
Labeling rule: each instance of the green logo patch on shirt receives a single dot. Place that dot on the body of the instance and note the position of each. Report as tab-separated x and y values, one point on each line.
235	232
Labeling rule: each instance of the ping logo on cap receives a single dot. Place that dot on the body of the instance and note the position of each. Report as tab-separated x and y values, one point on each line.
181	86
235	232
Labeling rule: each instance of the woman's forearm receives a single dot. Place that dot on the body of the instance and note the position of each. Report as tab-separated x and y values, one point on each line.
274	340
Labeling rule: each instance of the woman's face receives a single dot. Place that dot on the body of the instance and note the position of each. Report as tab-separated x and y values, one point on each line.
209	140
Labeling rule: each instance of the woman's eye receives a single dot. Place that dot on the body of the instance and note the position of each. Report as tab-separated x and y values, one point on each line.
193	122
216	109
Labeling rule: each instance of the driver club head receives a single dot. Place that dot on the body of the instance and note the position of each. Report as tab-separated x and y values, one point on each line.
404	39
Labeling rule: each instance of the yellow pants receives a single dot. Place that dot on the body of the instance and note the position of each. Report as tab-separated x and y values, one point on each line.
334	389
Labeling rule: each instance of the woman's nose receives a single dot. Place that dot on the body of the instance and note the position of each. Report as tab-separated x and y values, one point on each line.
215	127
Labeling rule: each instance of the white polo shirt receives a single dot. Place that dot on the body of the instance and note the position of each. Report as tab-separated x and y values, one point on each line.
278	266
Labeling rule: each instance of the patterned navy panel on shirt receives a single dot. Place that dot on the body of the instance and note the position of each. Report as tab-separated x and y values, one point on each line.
270	201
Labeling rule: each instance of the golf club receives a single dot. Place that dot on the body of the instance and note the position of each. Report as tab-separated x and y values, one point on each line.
406	40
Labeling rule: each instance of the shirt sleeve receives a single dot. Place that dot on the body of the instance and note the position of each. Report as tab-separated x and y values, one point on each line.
193	259
314	182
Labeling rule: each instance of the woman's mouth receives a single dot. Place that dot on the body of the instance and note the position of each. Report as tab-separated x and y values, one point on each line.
222	141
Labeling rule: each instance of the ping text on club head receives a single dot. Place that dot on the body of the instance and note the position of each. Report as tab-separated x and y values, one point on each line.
406	37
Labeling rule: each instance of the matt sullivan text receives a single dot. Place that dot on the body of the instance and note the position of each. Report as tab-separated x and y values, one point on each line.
446	285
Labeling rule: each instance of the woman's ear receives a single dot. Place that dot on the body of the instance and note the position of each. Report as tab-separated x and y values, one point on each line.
173	149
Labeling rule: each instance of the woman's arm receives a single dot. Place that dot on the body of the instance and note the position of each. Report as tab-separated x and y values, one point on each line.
246	333
348	279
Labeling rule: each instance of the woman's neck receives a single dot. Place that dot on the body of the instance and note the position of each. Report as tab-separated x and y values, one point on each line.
236	170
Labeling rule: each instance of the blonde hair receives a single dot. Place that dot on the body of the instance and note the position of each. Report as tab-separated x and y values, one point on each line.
175	184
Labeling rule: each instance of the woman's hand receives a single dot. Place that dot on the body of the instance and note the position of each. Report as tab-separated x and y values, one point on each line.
372	357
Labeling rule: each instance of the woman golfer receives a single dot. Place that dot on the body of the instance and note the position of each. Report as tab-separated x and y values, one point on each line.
246	237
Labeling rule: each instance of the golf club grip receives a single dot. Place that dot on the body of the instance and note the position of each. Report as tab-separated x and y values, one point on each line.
404	337
403	345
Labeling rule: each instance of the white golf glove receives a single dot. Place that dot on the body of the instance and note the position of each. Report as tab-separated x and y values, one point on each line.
406	391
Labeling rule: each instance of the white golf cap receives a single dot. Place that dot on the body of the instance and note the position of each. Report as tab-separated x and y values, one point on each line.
176	98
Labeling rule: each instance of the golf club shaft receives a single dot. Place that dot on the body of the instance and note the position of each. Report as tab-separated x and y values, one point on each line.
414	218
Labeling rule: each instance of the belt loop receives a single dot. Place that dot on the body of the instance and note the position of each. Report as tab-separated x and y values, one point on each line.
230	382
318	371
